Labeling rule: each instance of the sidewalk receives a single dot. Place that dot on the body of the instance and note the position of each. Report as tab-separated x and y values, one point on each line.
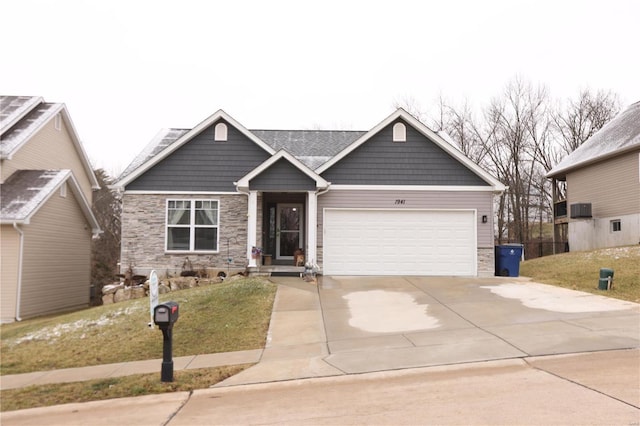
104	371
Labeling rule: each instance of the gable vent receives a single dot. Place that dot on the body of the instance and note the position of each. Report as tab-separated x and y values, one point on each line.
581	210
220	133
399	132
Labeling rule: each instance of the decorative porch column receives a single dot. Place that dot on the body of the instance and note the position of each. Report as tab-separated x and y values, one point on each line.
312	227
252	225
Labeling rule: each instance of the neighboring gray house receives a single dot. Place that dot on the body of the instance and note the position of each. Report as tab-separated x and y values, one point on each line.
46	223
397	199
602	206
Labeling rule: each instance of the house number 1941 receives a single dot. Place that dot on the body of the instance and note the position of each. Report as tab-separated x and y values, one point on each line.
400	202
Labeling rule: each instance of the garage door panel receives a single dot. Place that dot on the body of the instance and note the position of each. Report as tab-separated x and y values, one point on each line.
399	242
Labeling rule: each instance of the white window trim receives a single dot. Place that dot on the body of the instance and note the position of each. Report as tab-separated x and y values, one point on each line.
399	132
220	132
57	122
612	224
63	190
192	226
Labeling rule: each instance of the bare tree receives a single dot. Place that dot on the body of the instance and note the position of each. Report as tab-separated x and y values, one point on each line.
582	117
516	121
519	138
105	249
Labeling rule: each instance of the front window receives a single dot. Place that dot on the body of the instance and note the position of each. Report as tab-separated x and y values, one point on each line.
192	225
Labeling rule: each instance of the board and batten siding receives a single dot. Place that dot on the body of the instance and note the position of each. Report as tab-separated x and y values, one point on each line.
50	148
10	253
418	161
612	187
203	164
441	200
57	258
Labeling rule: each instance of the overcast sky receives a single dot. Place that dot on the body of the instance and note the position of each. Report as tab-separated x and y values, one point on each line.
126	69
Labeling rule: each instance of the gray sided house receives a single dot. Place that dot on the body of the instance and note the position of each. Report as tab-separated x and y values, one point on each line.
397	199
602	204
46	223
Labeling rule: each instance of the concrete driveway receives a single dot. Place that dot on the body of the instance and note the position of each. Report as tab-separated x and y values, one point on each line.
347	325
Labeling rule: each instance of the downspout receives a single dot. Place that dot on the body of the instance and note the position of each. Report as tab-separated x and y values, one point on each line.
323	191
20	252
314	264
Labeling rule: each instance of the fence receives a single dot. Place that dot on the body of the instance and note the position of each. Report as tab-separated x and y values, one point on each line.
535	249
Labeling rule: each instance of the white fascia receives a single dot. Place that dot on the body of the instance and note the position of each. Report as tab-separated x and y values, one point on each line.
194	193
437	188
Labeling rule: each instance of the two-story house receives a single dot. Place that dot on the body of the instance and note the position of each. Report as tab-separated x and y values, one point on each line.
602	204
46	223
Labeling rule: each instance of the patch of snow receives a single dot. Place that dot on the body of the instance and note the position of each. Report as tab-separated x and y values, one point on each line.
557	299
381	311
51	334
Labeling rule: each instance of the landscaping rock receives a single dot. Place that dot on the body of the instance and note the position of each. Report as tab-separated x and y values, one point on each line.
138	292
122	294
112	288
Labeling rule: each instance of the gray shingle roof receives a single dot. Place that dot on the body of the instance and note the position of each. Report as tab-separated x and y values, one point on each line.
311	147
619	135
25	190
20	117
160	141
12	108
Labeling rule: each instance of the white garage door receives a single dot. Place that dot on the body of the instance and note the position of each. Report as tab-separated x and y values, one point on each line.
399	242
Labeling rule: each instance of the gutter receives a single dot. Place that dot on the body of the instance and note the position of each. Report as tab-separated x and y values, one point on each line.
19	289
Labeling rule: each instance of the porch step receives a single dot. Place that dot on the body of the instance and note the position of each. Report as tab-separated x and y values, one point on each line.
276	271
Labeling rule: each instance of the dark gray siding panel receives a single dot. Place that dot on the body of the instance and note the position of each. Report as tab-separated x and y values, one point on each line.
418	161
203	165
282	176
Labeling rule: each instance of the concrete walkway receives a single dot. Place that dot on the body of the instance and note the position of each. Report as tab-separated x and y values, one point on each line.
352	325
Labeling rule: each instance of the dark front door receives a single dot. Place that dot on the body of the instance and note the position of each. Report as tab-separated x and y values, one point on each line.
289	236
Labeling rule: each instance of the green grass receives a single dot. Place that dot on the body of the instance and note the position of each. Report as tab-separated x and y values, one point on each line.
580	271
114	387
224	317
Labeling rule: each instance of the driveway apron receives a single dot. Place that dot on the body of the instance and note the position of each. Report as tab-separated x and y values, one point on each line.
347	325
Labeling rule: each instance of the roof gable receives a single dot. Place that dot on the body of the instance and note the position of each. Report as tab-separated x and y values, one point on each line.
411	158
26	191
622	134
152	156
276	161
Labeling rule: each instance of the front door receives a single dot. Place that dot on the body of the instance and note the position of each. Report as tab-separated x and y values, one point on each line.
289	236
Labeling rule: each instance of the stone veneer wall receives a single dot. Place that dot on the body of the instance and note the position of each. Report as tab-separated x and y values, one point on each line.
486	262
144	233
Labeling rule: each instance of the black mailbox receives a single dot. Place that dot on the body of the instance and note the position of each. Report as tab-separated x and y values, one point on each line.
166	314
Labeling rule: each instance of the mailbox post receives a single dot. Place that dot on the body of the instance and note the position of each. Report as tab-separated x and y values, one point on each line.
165	315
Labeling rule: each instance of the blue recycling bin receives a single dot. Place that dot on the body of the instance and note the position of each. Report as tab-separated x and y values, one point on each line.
508	260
